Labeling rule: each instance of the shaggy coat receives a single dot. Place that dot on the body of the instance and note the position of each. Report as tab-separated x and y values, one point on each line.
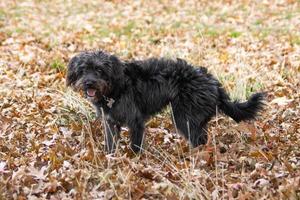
130	92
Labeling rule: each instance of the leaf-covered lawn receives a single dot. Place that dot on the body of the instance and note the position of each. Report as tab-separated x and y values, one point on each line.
51	145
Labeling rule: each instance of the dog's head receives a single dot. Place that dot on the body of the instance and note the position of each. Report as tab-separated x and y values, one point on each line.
97	74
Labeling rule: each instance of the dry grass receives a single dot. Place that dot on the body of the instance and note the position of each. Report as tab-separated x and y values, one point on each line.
51	146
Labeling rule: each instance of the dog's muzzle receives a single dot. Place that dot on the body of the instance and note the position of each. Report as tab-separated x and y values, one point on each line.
89	88
91	92
94	90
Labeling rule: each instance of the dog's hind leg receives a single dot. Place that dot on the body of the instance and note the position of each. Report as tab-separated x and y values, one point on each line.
198	135
193	128
137	134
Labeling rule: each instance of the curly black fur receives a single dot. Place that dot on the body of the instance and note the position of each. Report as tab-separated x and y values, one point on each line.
130	92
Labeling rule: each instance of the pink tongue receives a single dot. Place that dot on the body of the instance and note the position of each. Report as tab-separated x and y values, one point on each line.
91	92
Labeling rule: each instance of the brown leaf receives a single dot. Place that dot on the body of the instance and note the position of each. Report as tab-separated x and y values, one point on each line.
138	192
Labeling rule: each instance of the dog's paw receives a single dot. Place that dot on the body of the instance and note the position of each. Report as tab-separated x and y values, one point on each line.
136	149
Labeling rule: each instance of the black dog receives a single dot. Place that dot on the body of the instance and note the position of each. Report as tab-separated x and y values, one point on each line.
130	92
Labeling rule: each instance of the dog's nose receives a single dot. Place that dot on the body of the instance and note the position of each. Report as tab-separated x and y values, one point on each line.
89	83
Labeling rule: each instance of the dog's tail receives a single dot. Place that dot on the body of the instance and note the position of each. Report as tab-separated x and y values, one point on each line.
241	111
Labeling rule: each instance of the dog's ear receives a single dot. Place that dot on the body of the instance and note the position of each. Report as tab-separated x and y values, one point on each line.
72	75
117	70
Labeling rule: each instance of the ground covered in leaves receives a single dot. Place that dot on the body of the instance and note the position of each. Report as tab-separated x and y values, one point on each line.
51	145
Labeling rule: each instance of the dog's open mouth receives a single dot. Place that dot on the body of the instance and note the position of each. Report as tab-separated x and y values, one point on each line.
91	92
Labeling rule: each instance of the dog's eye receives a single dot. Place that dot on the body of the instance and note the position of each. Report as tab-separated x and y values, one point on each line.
80	71
99	71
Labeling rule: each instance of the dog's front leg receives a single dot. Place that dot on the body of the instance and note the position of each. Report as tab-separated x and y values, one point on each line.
137	135
112	133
